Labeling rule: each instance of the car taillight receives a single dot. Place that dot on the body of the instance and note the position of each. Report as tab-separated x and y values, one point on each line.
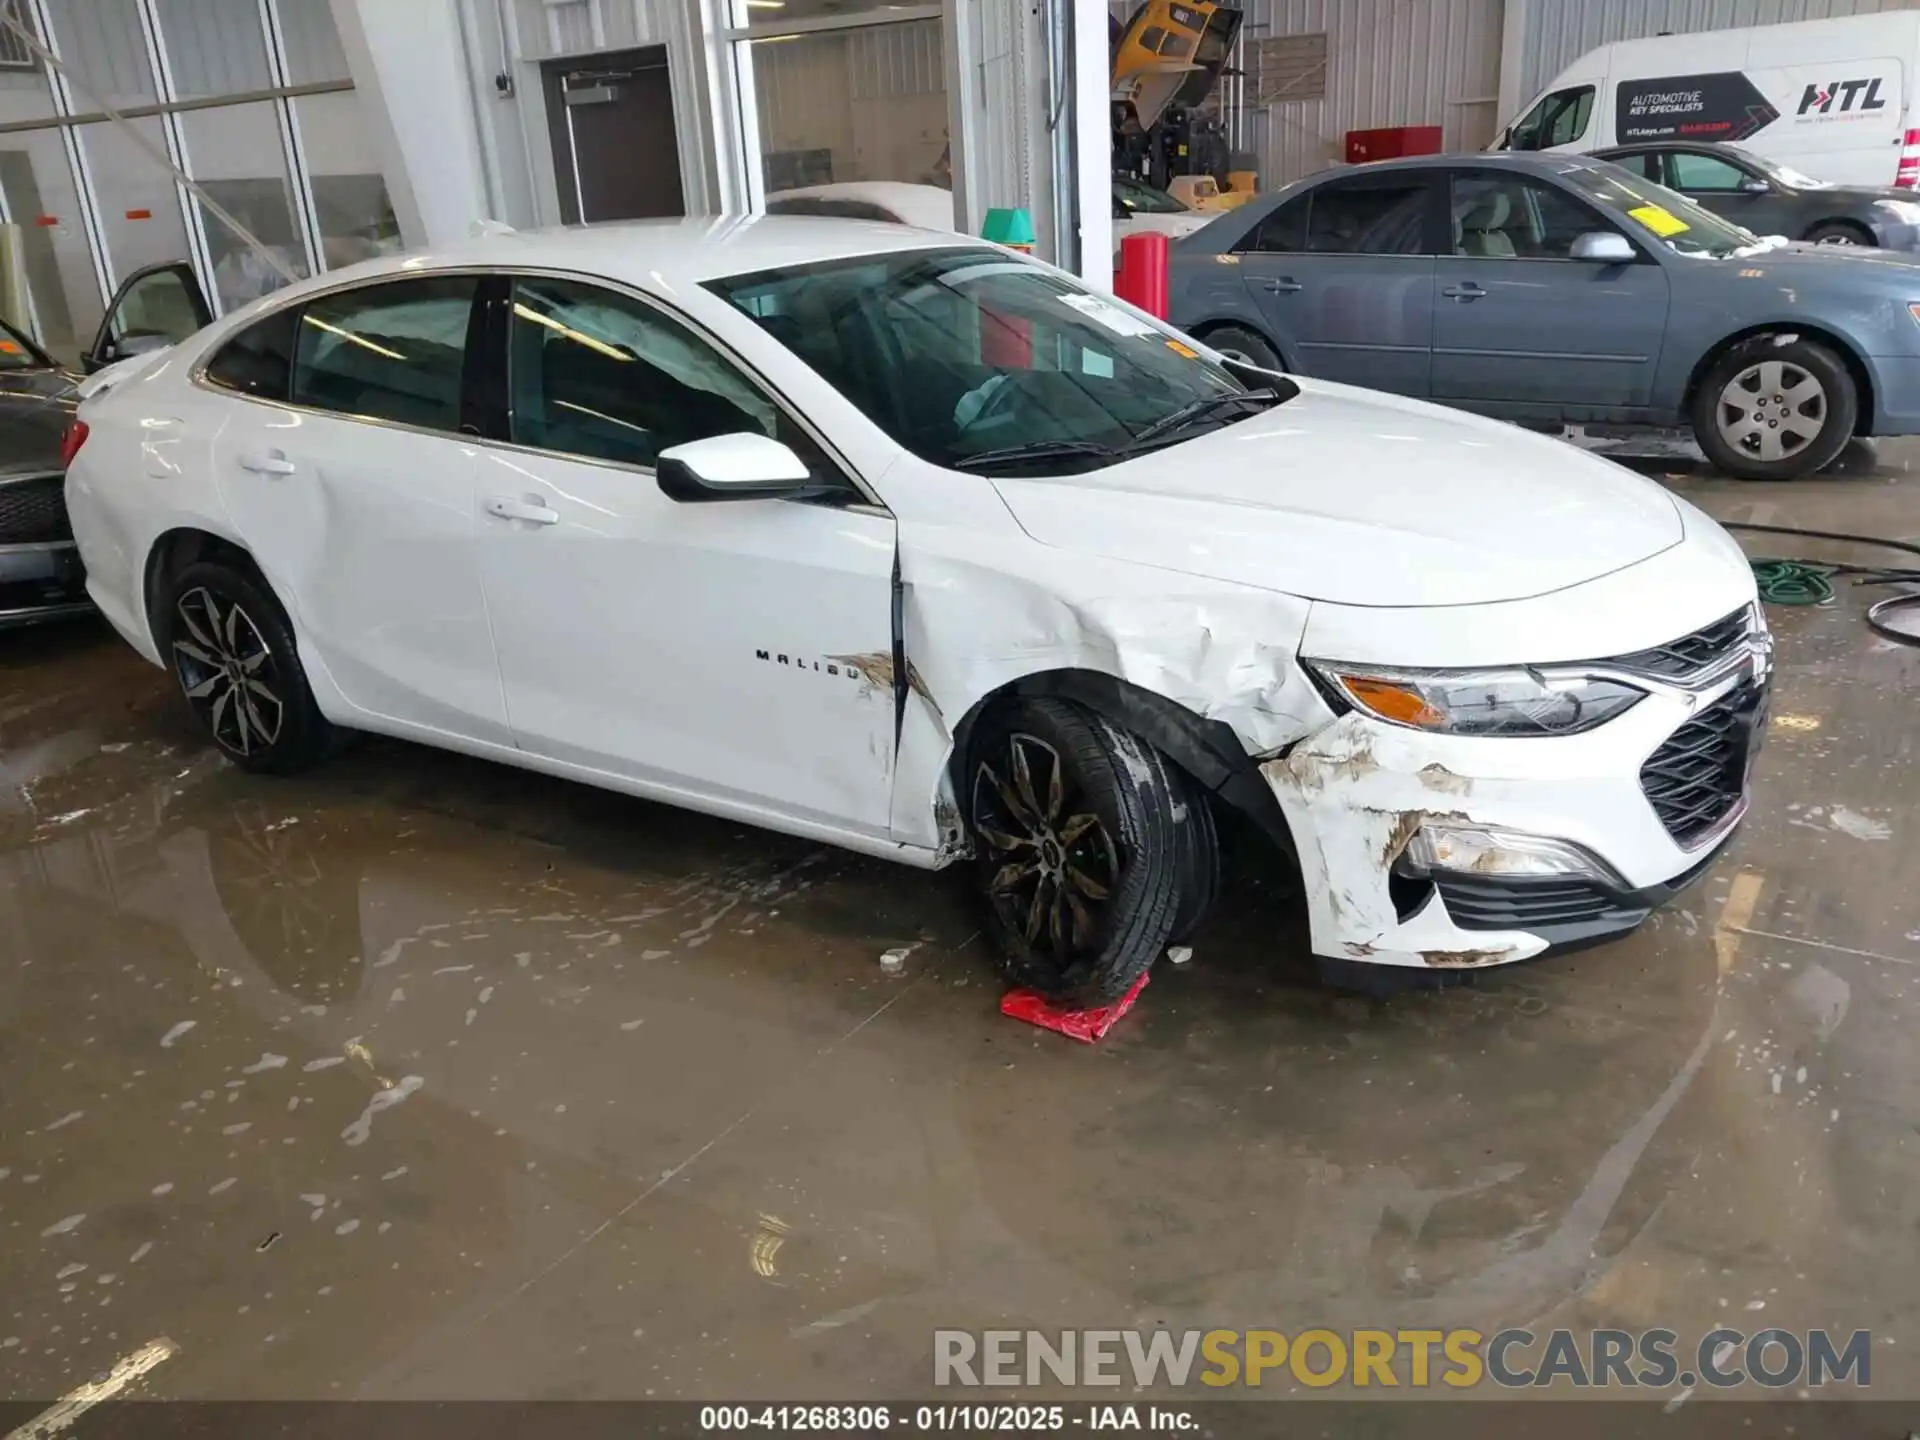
1907	177
71	442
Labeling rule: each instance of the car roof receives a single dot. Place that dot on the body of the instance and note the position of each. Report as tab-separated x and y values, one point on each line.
660	255
1537	162
1709	147
927	206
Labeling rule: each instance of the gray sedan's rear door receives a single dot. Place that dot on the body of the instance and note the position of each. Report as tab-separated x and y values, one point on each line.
1519	326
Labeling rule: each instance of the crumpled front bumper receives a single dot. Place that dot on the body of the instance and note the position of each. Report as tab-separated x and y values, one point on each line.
1355	793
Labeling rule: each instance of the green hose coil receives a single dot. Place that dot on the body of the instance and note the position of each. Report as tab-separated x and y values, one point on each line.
1792	582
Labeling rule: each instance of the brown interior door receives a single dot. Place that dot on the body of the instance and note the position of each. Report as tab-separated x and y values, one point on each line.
616	155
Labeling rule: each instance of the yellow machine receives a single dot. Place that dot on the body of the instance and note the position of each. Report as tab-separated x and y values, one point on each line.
1166	61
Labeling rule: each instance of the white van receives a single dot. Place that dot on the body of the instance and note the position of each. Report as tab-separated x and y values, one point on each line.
1830	98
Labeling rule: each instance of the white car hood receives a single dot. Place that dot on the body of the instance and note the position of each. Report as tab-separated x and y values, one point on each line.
1359	498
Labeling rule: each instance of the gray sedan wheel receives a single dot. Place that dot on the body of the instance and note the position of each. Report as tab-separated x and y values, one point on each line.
1245	346
1767	411
1838	232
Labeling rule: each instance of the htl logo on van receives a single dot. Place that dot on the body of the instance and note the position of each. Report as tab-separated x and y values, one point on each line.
1820	98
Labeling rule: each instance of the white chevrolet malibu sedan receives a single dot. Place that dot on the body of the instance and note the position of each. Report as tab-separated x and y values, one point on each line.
898	541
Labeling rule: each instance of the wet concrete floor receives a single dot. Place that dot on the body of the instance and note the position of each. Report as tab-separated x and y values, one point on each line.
421	1077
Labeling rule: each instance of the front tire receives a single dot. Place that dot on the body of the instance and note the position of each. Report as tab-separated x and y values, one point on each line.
1078	831
1767	411
232	651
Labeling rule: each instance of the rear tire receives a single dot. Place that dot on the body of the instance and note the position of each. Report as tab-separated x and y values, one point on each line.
1838	232
1081	839
1244	346
1767	411
231	648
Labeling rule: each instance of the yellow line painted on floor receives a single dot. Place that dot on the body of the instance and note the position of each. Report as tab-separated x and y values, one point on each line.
76	1403
1742	896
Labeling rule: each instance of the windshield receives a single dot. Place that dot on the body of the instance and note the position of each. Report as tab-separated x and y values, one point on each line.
1785	174
17	352
1684	227
1146	199
975	360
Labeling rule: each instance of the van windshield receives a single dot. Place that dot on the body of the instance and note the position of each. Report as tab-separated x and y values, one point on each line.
1558	119
1682	226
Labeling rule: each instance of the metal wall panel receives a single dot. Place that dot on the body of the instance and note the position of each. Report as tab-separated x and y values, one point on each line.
1561	31
576	27
876	97
997	105
1389	62
890	60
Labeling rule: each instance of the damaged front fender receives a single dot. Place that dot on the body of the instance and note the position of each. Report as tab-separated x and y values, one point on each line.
1220	656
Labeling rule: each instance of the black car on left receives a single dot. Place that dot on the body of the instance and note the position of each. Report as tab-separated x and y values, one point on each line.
40	573
1769	198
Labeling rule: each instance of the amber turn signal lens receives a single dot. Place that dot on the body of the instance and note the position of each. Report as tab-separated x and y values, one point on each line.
1394	702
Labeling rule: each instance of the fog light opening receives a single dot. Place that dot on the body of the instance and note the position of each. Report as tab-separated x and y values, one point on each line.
1500	854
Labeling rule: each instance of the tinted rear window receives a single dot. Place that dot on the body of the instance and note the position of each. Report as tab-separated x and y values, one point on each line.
259	360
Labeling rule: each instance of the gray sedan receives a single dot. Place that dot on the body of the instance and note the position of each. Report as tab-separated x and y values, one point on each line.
1552	289
1768	198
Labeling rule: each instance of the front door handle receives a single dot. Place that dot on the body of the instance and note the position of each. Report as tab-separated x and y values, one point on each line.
1465	291
268	462
1285	285
508	507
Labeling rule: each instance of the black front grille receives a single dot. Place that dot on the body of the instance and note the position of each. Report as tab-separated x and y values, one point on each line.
1699	775
34	511
1693	652
1478	903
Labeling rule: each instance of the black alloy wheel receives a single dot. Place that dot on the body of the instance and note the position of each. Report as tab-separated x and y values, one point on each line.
229	644
227	672
1085	845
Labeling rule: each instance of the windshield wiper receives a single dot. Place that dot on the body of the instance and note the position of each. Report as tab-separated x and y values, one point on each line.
1199	409
1037	450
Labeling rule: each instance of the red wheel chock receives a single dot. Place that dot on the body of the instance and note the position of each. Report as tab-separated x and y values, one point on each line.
1085	1026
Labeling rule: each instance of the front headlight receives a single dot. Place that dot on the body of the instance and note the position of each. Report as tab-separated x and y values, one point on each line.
1510	703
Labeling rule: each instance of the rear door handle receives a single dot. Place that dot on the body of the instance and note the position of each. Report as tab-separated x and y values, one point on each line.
1466	291
269	462
507	507
1285	285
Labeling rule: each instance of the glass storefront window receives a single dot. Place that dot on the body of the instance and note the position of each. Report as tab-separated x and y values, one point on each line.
350	201
769	13
234	154
93	203
868	103
213	47
24	91
138	202
312	43
41	199
105	51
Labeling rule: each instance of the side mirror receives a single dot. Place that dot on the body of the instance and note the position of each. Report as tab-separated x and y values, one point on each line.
732	467
1754	185
1604	247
